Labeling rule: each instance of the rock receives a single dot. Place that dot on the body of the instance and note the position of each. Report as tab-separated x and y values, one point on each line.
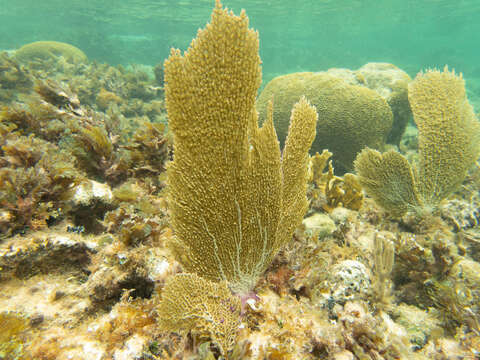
319	224
107	284
133	348
343	355
88	202
419	324
468	272
89	193
44	253
460	213
340	215
349	280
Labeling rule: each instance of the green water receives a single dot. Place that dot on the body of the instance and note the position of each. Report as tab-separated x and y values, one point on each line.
294	35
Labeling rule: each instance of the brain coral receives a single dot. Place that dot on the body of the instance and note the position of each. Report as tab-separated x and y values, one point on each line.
44	50
389	82
350	117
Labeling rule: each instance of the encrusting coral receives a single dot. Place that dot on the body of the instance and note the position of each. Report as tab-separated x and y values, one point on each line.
12	338
234	201
449	144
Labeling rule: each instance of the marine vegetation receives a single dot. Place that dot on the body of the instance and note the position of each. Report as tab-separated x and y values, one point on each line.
13	77
148	150
98	153
136	218
34	178
449	145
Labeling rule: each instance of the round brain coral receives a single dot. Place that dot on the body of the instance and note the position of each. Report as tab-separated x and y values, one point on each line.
45	50
391	83
350	117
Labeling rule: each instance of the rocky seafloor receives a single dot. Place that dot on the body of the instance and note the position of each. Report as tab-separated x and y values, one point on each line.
84	232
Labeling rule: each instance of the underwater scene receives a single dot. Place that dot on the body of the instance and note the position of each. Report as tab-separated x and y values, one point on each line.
206	179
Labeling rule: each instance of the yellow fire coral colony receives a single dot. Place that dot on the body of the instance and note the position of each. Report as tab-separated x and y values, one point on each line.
234	200
449	135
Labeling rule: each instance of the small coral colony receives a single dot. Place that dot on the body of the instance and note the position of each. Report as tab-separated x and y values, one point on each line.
175	213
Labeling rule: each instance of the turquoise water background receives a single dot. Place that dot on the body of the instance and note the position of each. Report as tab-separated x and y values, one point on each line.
310	35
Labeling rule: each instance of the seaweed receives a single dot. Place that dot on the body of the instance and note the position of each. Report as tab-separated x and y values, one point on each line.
139	85
33	180
13	78
59	95
159	74
455	302
132	221
149	149
95	152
